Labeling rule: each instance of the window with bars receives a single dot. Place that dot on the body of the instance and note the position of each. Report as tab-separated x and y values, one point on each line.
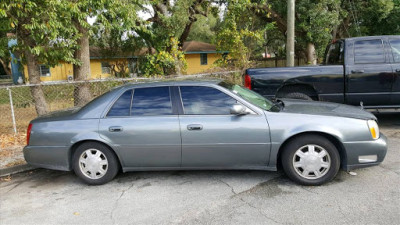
44	71
203	59
105	67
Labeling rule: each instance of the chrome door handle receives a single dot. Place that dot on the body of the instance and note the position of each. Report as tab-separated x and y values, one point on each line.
115	129
357	71
195	127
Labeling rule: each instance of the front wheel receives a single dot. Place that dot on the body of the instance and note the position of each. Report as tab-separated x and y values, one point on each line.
94	163
310	160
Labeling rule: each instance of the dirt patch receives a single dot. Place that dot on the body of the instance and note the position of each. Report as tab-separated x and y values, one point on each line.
11	156
11	140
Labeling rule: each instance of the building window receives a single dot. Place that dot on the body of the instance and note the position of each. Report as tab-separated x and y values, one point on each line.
105	67
203	59
44	71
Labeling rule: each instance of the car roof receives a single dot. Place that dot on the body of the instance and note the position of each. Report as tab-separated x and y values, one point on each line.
371	37
171	83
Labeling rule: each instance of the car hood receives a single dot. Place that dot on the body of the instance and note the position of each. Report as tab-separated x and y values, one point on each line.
325	109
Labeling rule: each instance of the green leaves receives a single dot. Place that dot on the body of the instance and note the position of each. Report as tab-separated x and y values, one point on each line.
163	62
242	32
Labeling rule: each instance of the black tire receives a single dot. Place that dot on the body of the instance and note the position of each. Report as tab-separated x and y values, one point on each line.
111	169
320	144
297	95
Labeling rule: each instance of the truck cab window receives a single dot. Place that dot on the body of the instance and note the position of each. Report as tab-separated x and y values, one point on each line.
334	54
395	45
369	51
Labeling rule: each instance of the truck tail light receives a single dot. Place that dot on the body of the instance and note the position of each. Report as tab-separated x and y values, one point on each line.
247	81
28	134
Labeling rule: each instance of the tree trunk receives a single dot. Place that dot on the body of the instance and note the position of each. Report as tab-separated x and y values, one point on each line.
334	32
6	67
178	66
82	94
186	31
311	55
34	78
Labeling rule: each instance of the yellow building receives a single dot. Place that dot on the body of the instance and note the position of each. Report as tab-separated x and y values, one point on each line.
199	56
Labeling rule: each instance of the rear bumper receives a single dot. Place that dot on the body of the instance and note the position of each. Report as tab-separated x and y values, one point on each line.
49	157
355	150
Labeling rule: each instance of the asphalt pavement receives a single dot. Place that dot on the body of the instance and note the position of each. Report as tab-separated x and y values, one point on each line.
372	196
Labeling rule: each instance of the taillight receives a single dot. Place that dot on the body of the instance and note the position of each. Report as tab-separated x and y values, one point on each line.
247	81
28	134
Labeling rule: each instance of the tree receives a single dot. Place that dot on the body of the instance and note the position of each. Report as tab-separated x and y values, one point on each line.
205	28
5	28
368	18
40	30
242	31
108	14
119	38
315	20
170	24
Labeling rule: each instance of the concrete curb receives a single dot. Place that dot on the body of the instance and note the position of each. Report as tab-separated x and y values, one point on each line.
16	169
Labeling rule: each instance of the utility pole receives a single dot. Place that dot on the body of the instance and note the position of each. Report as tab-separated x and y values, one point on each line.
290	34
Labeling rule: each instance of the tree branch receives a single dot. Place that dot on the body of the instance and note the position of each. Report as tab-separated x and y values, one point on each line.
6	68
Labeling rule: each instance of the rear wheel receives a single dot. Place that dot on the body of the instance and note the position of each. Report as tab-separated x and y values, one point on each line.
310	160
94	163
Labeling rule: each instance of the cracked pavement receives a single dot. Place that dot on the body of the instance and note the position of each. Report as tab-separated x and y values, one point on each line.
209	197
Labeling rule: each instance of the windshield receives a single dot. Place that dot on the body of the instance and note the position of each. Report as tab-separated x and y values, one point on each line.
249	96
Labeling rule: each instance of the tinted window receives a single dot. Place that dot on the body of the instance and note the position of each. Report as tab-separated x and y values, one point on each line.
122	105
205	101
151	101
334	54
395	44
203	58
369	51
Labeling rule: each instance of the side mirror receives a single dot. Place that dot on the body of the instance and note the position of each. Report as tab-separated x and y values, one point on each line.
239	109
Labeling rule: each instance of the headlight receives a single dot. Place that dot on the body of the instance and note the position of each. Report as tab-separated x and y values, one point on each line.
373	128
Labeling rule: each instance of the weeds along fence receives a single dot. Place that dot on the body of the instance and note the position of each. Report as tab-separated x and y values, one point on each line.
17	107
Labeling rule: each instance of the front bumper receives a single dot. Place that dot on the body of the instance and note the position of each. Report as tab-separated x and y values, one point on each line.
49	157
364	148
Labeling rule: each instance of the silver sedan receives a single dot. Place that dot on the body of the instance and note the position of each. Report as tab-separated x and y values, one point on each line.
192	125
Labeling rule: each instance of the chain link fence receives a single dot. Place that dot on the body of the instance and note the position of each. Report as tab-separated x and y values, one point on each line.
17	107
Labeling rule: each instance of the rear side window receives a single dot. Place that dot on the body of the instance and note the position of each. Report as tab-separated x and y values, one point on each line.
334	54
151	101
369	51
122	106
199	100
395	45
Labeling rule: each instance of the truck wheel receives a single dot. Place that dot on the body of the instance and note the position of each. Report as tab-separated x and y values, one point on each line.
95	163
296	95
310	160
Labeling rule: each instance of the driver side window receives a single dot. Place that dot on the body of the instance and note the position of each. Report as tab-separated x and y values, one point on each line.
198	100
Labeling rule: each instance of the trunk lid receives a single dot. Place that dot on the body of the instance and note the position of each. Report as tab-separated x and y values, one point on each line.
57	115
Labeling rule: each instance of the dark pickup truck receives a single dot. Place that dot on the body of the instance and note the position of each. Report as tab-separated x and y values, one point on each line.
355	70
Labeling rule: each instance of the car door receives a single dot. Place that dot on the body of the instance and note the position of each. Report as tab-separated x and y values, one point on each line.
369	75
143	127
395	50
212	137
